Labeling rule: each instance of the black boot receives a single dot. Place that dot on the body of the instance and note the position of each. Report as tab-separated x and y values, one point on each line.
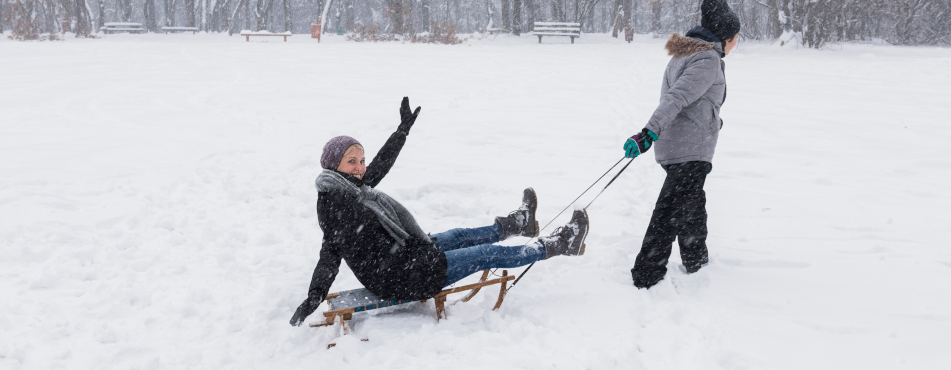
521	222
569	239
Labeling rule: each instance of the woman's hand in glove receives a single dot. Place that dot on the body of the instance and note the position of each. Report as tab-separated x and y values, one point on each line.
407	117
639	143
304	310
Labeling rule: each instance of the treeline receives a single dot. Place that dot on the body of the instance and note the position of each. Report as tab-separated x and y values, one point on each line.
813	22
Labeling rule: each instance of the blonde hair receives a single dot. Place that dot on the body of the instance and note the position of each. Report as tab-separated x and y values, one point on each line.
350	149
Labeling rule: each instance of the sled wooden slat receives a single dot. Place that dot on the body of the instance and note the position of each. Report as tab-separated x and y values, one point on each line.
485	275
344	304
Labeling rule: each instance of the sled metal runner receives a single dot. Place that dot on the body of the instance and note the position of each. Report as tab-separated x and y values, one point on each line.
344	304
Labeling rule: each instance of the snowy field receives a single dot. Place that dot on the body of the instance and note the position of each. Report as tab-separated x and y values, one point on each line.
157	204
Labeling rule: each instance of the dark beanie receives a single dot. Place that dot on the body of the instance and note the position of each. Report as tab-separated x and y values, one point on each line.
716	16
334	151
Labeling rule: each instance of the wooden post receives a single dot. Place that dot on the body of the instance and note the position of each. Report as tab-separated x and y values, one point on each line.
440	307
345	323
501	290
328	320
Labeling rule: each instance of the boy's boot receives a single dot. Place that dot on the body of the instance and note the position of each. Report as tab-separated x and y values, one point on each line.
521	222
569	239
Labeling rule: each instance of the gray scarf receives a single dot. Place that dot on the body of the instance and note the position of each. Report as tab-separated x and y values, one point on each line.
395	218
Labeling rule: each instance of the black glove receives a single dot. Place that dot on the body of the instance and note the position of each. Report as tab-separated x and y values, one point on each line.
407	117
304	310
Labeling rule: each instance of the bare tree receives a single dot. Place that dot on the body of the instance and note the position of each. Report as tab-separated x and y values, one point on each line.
189	12
506	18
517	17
3	14
169	10
394	9
288	24
262	11
234	15
427	22
657	10
149	15
26	26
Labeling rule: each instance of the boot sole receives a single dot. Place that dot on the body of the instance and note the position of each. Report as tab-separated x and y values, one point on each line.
537	228
587	228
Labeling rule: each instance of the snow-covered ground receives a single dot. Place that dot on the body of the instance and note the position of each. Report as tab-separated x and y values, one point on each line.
157	203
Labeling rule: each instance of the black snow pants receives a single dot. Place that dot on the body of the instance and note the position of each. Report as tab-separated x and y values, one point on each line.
680	213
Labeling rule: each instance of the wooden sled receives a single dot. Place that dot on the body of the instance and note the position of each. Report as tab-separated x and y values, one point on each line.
344	304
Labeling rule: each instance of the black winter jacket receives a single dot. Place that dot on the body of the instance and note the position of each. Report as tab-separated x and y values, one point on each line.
352	232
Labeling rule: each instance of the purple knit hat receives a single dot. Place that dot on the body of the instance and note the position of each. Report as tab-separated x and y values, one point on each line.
334	150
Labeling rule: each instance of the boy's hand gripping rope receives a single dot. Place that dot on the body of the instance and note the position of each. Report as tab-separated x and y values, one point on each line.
573	202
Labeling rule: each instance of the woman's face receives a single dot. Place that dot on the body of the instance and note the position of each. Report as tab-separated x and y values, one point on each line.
353	163
730	44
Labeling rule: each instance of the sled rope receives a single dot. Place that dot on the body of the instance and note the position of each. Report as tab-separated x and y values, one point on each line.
569	205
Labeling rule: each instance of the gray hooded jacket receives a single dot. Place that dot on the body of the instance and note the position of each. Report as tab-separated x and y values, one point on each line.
687	121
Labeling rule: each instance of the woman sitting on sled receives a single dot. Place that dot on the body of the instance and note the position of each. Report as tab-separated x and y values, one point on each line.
385	247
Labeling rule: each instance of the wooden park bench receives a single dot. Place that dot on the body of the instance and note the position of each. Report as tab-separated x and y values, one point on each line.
193	30
569	29
247	34
344	304
122	27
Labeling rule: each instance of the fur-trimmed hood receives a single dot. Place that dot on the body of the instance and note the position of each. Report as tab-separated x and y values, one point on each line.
681	46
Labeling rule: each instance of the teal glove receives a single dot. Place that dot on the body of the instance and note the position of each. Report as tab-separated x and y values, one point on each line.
639	143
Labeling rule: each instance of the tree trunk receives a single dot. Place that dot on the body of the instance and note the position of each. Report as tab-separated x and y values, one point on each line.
288	24
517	17
532	13
632	14
49	15
426	21
323	14
189	13
169	6
247	15
408	24
394	8
506	19
25	24
617	19
149	12
775	28
234	16
262	12
656	13
83	22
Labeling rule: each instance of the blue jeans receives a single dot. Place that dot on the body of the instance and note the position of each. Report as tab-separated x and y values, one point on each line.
471	250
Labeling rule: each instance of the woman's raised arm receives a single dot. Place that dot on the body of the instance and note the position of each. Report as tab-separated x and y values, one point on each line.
386	157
